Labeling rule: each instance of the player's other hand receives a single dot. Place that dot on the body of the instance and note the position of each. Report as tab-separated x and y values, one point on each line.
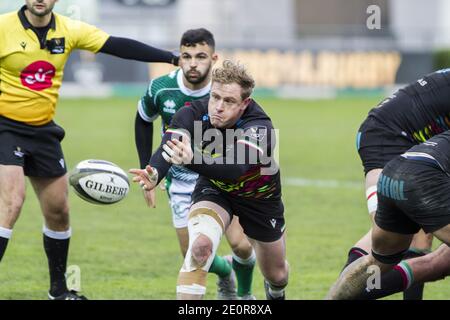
147	179
178	152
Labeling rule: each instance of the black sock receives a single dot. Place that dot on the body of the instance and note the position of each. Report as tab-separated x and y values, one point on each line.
390	283
415	292
57	251
354	254
3	245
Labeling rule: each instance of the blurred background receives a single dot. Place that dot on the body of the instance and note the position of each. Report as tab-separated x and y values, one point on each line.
320	66
302	48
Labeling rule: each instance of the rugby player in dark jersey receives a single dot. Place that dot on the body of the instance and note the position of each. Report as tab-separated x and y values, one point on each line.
410	116
229	140
413	194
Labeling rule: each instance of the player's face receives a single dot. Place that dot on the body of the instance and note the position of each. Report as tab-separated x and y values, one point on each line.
225	105
40	8
196	62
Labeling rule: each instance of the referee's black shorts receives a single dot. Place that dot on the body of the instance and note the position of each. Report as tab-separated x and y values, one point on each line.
35	148
262	220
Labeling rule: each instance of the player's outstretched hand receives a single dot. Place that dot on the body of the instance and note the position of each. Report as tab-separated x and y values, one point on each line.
147	179
178	152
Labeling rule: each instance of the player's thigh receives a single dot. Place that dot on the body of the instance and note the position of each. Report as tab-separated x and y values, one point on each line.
52	194
207	196
271	257
237	240
180	200
388	243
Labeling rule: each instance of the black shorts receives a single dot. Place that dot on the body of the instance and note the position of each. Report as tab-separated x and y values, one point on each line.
262	220
413	194
35	148
377	144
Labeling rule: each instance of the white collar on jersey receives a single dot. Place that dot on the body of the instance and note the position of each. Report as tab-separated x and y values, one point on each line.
192	93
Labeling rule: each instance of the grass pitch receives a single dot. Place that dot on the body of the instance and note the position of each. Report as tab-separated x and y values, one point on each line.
128	251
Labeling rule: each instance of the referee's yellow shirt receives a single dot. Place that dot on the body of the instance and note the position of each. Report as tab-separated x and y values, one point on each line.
31	71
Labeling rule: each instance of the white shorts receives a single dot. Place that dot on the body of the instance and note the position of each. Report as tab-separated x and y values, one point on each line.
180	200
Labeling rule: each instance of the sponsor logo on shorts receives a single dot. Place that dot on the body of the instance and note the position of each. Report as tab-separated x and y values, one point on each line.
18	152
391	188
273	222
61	162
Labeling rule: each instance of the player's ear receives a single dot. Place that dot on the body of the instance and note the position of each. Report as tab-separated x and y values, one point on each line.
214	58
246	102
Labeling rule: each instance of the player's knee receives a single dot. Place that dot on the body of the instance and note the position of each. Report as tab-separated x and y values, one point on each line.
58	216
279	275
243	249
202	249
11	208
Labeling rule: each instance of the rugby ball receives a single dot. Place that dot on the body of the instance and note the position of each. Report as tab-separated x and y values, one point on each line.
99	181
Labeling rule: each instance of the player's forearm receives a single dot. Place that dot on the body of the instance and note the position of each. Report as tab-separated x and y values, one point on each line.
143	135
135	50
157	160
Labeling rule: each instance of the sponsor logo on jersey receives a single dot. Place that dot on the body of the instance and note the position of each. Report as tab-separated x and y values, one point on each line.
56	45
38	75
170	106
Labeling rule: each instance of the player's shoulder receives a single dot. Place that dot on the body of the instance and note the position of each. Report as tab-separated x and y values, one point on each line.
70	25
167	81
255	115
7	19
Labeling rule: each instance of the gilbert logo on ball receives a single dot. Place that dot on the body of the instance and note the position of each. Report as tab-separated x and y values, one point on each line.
99	181
38	75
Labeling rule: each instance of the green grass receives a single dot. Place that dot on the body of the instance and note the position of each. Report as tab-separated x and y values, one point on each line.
127	251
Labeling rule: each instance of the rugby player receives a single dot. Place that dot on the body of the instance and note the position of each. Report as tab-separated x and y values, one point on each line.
165	96
235	179
413	194
410	116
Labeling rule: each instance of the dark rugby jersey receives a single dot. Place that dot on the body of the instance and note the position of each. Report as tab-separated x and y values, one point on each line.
438	147
237	163
423	109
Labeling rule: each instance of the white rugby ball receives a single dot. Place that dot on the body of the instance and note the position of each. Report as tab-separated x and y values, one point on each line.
99	181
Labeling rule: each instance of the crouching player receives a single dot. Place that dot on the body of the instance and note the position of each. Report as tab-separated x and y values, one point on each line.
413	193
235	179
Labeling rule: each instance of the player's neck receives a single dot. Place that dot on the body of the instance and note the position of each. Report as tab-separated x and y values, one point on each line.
196	86
36	21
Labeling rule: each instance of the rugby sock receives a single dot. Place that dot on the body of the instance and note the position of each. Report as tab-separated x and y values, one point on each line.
274	292
56	245
415	291
220	266
5	235
399	279
354	254
244	273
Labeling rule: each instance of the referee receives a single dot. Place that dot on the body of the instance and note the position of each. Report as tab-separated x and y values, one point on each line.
35	44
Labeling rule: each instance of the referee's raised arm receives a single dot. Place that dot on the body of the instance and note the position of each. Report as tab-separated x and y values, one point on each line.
135	50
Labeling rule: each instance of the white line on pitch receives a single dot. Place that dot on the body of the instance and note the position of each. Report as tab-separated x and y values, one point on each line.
301	182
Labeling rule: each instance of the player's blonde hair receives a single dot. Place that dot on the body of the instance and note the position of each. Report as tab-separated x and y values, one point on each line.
233	72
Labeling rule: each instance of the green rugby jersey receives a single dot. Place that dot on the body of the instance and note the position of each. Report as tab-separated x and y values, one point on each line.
164	96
